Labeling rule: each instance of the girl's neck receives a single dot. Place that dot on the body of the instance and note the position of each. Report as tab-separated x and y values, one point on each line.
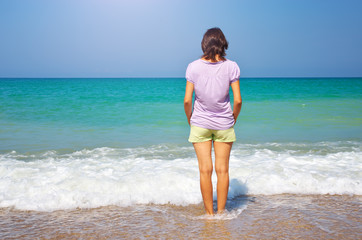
217	57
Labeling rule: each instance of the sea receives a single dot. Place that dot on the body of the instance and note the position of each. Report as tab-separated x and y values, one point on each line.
109	158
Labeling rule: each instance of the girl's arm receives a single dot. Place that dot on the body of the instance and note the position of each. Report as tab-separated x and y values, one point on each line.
235	86
188	100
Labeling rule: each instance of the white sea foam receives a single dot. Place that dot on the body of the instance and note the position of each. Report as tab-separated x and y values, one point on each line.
226	215
169	174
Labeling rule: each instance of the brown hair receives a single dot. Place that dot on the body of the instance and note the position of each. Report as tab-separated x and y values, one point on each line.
214	43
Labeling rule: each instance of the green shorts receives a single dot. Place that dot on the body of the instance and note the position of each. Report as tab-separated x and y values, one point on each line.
198	134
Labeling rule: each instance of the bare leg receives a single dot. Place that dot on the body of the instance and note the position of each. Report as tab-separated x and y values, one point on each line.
222	154
203	153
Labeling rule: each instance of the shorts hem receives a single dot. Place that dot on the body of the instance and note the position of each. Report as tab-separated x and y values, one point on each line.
199	141
225	140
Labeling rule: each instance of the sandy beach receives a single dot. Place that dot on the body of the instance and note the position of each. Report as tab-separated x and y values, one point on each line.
249	217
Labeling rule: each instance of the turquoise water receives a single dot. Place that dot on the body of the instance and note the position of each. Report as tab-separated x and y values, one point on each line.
73	114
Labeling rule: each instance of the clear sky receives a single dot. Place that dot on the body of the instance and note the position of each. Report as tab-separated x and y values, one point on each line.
158	38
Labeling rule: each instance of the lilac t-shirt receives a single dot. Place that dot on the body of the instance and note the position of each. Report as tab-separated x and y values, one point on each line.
212	109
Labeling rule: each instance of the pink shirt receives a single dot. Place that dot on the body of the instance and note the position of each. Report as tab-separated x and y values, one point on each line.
212	109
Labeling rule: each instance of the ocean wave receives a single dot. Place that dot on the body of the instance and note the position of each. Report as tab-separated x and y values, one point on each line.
165	174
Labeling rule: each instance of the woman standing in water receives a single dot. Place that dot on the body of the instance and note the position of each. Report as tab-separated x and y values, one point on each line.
212	119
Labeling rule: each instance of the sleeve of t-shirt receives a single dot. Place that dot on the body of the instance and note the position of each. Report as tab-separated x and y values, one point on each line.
235	73
188	74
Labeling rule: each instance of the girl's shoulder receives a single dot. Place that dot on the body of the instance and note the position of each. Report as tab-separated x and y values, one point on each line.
196	64
230	62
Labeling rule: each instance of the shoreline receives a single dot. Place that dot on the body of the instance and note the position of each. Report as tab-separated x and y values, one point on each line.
255	216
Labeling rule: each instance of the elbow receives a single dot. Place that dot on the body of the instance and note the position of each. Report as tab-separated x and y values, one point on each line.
237	102
187	102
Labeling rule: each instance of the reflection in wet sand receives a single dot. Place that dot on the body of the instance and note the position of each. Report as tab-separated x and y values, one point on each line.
253	217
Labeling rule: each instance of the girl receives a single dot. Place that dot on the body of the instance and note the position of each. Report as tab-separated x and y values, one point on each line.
212	119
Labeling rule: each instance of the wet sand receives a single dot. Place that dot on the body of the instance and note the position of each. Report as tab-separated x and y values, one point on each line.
249	217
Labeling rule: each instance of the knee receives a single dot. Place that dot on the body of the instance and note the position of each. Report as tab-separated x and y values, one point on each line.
206	170
222	170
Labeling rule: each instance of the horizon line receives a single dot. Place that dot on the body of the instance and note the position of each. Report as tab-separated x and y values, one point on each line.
155	77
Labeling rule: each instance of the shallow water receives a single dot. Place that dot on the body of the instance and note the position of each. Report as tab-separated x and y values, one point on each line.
251	217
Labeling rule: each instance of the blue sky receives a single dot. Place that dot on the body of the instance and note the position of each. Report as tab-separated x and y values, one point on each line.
158	38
